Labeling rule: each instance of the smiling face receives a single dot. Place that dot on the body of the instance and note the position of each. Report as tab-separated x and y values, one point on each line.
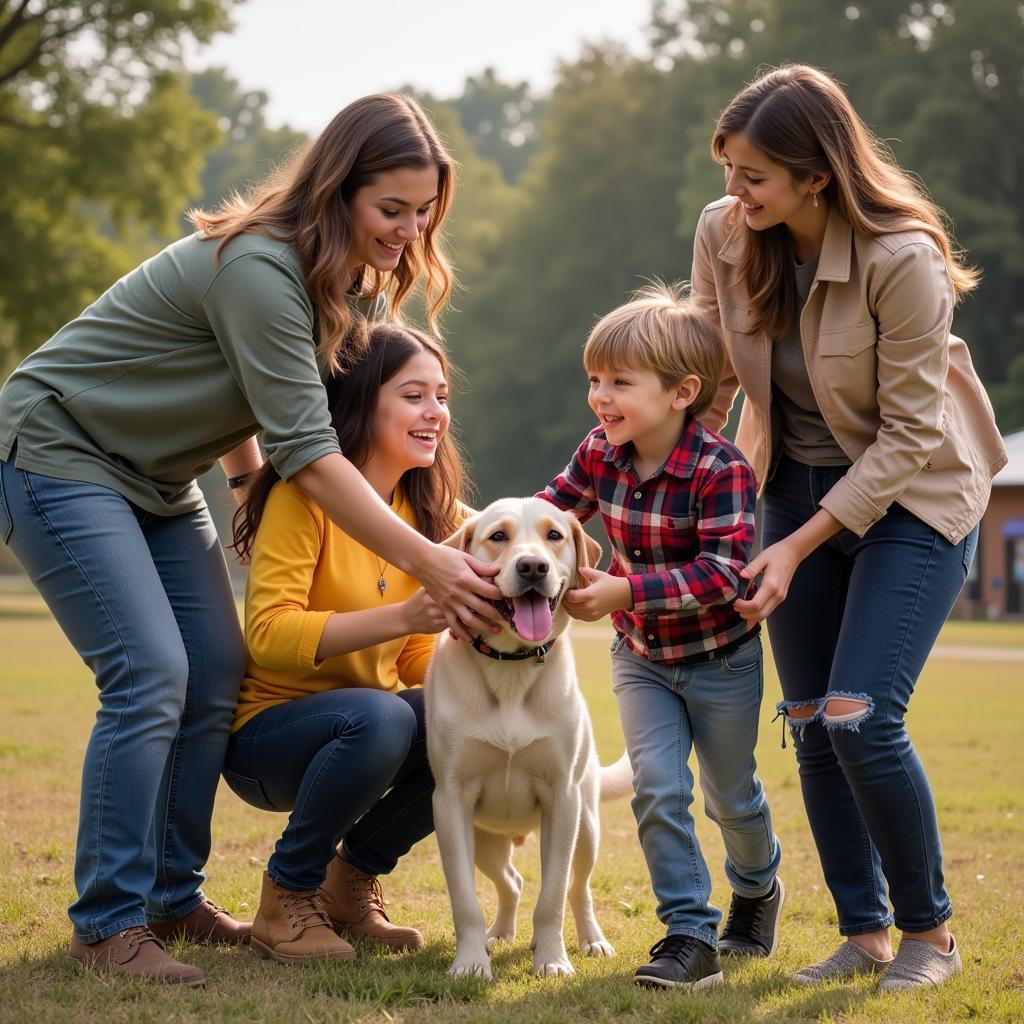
635	406
410	419
768	191
389	214
539	548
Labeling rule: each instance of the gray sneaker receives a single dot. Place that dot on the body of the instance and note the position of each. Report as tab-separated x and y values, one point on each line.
845	963
919	963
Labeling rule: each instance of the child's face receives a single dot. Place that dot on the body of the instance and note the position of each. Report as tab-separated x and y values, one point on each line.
411	416
635	406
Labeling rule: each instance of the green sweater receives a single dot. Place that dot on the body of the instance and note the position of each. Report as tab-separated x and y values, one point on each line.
177	363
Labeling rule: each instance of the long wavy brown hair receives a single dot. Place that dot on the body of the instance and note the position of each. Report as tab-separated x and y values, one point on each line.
305	204
799	117
434	492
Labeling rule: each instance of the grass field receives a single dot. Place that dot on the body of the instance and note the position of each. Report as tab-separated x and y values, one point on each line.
968	722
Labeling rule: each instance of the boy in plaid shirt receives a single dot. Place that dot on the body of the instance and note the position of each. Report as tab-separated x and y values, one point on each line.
677	503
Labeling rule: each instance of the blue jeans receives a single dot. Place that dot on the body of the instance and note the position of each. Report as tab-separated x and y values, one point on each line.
349	764
858	623
713	708
147	603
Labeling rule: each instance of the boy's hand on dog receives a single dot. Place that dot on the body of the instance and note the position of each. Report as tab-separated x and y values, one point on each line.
605	593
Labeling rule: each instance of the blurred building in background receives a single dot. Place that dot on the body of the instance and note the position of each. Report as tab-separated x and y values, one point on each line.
995	585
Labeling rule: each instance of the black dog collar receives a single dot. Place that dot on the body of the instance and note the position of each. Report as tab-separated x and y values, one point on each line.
521	655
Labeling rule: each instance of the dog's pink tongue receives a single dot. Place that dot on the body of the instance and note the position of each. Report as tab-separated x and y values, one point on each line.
531	616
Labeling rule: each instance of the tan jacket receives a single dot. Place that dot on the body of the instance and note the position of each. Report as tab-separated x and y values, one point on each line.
897	390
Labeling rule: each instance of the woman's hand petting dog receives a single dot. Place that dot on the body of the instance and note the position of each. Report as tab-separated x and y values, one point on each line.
605	593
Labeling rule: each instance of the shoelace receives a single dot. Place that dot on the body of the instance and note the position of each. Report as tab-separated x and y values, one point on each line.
138	934
370	893
744	916
675	947
307	908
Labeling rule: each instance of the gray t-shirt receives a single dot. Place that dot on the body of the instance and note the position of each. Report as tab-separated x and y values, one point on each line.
177	363
804	435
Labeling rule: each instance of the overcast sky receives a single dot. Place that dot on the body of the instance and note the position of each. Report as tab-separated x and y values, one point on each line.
314	56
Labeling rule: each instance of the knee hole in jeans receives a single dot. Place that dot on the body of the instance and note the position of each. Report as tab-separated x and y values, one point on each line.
846	710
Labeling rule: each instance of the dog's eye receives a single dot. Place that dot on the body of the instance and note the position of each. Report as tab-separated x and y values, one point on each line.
498	536
554	535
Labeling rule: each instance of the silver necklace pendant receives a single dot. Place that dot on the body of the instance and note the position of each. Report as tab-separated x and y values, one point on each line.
382	585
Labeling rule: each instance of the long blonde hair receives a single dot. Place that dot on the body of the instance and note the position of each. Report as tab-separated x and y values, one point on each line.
800	118
304	204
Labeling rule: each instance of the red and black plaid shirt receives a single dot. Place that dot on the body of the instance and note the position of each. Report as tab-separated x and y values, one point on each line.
680	537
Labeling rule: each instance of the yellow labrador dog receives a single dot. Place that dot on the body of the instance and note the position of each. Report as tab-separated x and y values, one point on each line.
511	745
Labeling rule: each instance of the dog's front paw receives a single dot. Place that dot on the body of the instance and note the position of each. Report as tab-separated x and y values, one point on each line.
598	947
471	966
559	967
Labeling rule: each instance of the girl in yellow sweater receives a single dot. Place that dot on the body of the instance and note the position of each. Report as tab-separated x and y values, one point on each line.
327	726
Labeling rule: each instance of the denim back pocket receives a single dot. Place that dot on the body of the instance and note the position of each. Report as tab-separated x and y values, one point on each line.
6	526
248	789
617	642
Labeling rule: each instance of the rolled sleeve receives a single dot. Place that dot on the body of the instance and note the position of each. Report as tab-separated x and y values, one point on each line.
913	305
263	320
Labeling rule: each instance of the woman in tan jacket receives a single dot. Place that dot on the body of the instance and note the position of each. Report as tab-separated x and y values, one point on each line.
874	445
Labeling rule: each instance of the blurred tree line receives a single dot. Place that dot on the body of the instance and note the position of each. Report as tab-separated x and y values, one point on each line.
567	201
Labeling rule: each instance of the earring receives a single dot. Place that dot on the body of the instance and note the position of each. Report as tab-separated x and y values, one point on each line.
814	199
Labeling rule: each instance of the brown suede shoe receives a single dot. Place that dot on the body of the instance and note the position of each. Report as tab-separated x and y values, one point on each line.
291	927
138	953
355	903
207	924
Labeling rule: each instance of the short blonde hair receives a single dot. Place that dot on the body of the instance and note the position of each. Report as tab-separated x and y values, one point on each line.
660	329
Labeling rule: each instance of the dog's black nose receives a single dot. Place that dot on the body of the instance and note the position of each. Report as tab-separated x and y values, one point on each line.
532	567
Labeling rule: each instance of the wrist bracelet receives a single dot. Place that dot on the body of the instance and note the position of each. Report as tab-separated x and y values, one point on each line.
234	482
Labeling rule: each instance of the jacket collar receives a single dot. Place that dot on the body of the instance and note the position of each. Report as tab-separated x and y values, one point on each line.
834	261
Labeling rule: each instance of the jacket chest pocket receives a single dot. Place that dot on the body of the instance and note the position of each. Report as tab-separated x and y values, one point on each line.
848	363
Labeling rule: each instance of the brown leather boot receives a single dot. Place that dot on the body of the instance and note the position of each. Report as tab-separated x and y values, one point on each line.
291	927
138	953
208	924
355	903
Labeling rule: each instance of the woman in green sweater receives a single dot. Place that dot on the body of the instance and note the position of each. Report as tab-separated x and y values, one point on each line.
221	336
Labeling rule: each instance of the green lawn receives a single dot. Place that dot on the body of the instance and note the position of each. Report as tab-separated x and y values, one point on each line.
967	720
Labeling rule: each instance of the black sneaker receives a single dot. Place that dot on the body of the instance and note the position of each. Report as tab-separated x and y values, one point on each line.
681	961
753	925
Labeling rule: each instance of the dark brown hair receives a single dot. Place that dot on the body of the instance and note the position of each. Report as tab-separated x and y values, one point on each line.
304	203
434	492
800	118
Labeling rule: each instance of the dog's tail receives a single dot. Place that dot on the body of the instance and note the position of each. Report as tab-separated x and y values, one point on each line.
617	779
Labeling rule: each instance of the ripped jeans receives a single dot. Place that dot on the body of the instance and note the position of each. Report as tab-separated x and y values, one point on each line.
858	623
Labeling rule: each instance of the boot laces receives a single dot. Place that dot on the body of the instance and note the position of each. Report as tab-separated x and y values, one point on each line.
307	909
370	892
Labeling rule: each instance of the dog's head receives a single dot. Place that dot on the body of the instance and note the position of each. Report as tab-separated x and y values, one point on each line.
540	549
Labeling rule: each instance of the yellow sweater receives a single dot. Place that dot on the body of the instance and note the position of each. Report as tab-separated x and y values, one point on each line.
304	569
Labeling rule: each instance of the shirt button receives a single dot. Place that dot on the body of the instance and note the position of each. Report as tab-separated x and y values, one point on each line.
637	552
650	636
638	494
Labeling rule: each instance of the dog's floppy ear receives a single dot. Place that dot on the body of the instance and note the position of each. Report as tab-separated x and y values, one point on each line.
588	551
463	536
